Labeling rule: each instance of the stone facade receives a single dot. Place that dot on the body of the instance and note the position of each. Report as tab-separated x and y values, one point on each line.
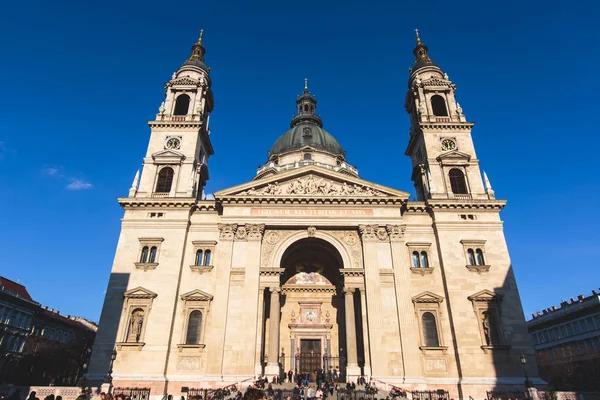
309	265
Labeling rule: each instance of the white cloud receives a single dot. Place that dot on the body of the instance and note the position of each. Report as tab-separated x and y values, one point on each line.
79	184
50	171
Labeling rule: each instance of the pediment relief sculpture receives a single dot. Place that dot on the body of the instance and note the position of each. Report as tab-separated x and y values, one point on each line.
313	186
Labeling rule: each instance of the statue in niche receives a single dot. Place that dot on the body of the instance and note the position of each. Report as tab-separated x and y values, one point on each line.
135	326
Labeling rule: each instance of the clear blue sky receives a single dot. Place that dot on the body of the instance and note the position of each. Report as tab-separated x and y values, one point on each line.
80	79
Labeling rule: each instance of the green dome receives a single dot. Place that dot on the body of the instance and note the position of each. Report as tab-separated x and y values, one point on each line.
306	134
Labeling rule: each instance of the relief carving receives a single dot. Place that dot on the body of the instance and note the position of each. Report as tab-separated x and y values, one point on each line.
314	187
269	244
188	363
352	243
241	234
311	231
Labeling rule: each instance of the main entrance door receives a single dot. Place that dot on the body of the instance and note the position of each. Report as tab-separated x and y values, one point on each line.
310	355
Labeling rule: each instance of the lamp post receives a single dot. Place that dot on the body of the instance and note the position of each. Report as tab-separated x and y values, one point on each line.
107	386
527	381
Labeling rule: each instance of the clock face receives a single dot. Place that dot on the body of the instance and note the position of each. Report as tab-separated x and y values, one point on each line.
173	144
448	144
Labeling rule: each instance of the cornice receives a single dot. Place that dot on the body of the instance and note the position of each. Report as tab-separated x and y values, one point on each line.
167	202
299	200
447	125
175	124
448	204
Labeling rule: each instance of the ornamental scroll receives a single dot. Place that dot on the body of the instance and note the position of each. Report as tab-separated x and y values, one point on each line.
314	187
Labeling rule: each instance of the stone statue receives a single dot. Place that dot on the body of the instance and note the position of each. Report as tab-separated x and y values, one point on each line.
485	321
135	326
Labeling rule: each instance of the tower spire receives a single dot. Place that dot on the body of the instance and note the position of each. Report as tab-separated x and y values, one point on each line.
306	84
422	59
198	51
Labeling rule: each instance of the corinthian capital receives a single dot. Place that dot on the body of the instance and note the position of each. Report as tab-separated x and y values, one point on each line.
227	231
396	232
368	232
255	231
349	290
275	289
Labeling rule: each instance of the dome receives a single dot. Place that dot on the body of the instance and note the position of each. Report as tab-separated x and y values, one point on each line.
306	134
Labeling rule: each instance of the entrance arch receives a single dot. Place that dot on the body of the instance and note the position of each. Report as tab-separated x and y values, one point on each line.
312	314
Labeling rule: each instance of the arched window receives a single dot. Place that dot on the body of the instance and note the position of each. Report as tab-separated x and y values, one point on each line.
415	259
144	256
307	157
207	255
199	257
439	106
471	256
194	328
152	258
424	260
182	104
457	181
165	180
479	255
430	334
306	107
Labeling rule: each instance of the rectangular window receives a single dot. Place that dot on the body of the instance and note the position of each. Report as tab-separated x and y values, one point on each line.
590	324
597	321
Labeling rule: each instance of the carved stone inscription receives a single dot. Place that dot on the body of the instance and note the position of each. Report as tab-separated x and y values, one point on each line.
310	212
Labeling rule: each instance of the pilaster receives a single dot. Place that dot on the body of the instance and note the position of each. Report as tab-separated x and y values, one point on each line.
216	334
409	333
371	236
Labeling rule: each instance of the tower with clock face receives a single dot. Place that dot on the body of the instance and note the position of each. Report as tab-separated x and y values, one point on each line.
176	162
441	149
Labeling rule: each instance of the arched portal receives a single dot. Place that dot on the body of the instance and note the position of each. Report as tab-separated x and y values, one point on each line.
313	318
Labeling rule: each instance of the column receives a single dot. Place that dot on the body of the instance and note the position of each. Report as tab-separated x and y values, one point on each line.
352	369
273	351
367	343
259	326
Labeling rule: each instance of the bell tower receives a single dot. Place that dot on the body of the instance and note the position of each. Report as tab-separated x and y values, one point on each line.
176	162
440	147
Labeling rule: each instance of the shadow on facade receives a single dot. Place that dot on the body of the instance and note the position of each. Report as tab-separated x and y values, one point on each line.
100	362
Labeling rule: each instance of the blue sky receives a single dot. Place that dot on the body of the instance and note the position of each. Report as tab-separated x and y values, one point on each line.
80	79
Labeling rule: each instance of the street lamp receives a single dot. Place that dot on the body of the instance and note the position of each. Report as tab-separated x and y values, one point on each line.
524	363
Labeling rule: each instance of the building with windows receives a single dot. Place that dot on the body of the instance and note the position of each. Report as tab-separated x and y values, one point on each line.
38	346
308	265
567	343
17	309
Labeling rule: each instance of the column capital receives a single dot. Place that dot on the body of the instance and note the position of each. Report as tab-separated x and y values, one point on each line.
373	233
349	290
249	232
227	231
396	232
275	289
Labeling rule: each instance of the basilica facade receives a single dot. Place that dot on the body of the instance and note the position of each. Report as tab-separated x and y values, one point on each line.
309	266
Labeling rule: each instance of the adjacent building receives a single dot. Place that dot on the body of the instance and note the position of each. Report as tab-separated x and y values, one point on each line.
38	346
567	343
17	309
308	265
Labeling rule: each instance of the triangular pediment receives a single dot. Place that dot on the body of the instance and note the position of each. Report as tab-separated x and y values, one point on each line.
196	295
139	293
427	297
454	155
311	182
168	156
485	296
